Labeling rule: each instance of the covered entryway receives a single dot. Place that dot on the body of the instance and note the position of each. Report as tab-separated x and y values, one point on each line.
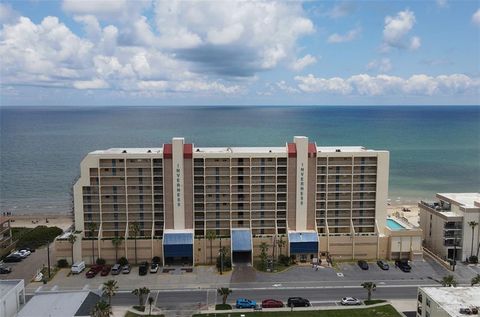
303	245
178	247
241	246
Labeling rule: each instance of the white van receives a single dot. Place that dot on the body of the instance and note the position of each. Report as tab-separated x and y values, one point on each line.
78	267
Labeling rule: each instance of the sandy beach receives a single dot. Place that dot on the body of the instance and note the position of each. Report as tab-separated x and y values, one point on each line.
49	220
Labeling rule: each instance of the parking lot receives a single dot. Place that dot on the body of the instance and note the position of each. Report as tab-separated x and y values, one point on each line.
28	267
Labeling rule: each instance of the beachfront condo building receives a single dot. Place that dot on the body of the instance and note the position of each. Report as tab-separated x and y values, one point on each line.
451	225
318	200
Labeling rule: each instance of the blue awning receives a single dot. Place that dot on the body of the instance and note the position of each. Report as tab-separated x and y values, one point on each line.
178	243
241	240
303	242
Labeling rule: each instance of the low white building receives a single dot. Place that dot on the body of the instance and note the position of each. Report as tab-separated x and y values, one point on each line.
12	297
446	301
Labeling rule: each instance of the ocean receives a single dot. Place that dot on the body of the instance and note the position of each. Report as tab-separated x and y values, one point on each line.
432	149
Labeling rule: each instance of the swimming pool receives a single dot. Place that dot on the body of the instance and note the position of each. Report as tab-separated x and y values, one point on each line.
393	225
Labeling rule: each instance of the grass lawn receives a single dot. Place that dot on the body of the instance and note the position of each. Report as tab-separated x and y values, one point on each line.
382	311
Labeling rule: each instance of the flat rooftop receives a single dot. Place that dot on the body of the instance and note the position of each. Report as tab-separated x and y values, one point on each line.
7	285
451	299
466	200
236	150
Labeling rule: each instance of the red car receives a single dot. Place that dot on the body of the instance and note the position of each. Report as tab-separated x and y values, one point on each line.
105	270
272	303
93	271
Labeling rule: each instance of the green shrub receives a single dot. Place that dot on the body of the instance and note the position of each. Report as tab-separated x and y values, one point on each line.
156	259
223	307
123	261
284	260
101	261
38	237
227	263
62	263
374	301
473	259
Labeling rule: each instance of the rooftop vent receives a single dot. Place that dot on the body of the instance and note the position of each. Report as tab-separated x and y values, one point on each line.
338	150
149	151
124	151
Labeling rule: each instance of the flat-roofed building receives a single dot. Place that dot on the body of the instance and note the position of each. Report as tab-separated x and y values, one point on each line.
6	240
321	200
12	297
446	228
447	301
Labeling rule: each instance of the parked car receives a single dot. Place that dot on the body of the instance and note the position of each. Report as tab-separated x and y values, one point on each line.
5	270
126	269
363	264
29	249
298	302
154	268
116	269
403	265
105	270
13	258
143	268
272	303
245	303
78	267
22	255
93	271
383	265
350	301
25	252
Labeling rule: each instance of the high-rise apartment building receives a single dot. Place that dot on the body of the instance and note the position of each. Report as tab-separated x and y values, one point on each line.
322	200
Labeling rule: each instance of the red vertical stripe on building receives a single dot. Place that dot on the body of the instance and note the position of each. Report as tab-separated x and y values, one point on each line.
292	150
187	151
312	150
167	151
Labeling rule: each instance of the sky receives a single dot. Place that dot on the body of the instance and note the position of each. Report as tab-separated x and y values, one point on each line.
154	52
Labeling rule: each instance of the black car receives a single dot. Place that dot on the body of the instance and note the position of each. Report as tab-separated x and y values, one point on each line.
13	258
383	265
143	268
298	302
5	270
403	265
363	264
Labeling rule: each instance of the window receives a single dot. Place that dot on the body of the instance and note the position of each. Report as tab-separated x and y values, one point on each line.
428	302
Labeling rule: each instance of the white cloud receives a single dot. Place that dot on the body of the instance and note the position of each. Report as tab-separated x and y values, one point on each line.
341	10
106	9
95	83
303	62
382	65
476	17
396	30
348	37
363	84
282	85
7	14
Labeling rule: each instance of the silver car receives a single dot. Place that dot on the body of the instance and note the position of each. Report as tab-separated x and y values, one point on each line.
350	301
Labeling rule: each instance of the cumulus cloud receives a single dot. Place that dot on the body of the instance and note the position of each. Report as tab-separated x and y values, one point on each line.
396	30
381	65
476	17
367	85
7	14
95	83
348	37
282	85
303	62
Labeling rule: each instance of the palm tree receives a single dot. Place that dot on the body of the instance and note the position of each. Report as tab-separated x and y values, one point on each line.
92	226
134	231
72	239
281	243
150	302
224	292
211	235
263	255
101	309
110	288
370	287
475	280
140	292
117	241
449	280
472	225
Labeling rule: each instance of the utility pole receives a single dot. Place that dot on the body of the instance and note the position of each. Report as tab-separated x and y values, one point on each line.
454	251
221	257
48	258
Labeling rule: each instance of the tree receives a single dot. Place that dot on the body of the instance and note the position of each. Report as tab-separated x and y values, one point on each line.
117	241
72	239
101	309
475	280
110	288
370	287
472	225
449	280
281	243
140	292
150	303
134	231
263	256
211	235
92	226
224	292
